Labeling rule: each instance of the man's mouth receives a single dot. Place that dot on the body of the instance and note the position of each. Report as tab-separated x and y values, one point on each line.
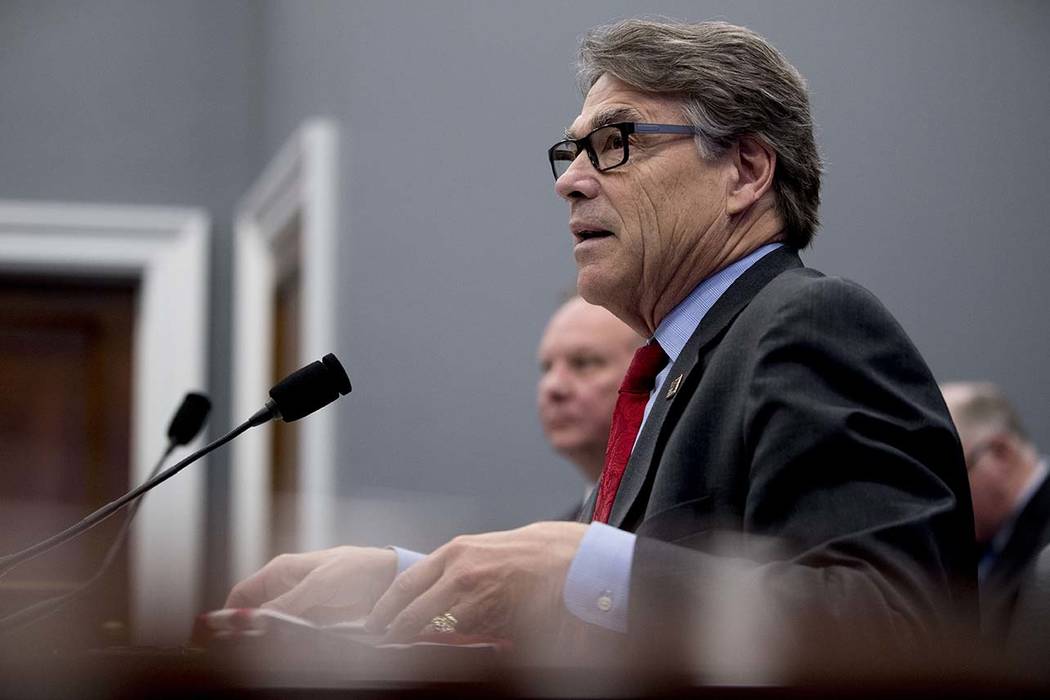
559	422
591	235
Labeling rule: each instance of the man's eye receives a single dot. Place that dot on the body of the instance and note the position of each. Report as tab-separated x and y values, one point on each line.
613	142
585	363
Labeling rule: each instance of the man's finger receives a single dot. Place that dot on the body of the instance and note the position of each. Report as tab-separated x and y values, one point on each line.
312	591
249	593
461	617
408	586
419	613
237	598
279	575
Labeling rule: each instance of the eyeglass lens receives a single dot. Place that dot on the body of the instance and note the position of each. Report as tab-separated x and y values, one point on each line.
608	145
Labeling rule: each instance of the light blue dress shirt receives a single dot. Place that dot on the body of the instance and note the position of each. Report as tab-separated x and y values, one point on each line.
597	585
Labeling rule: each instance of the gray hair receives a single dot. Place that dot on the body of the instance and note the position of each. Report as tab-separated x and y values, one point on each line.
982	406
732	83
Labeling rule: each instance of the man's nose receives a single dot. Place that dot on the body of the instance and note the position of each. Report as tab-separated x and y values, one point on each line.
580	179
555	384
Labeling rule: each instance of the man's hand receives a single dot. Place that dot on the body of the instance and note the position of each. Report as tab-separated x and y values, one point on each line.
330	585
499	584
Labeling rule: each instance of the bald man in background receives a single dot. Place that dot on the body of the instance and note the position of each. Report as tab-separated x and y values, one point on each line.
1011	495
583	357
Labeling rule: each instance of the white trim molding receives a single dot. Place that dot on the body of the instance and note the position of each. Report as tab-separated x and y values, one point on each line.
166	250
299	184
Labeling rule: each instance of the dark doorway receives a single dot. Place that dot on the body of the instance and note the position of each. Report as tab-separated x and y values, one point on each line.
65	416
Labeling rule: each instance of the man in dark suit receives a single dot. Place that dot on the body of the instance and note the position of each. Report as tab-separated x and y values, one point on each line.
1011	496
782	411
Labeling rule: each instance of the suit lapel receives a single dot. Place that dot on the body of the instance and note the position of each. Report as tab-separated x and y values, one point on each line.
731	303
587	512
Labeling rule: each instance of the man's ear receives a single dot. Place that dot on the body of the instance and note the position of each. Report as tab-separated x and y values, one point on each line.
753	163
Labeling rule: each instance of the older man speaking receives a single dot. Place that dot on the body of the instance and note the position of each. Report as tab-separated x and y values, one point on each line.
770	401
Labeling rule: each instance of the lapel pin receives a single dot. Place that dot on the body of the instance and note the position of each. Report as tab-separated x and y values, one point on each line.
675	385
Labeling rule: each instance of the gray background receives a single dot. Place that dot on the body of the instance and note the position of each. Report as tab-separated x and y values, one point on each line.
454	251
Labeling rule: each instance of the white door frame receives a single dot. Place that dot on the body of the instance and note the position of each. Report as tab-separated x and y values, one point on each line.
300	181
166	249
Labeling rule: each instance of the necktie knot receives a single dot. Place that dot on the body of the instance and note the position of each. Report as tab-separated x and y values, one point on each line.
647	363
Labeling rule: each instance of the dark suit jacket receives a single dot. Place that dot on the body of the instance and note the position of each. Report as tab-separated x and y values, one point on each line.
1000	586
805	415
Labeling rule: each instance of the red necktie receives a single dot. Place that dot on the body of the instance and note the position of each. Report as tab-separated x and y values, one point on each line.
627	419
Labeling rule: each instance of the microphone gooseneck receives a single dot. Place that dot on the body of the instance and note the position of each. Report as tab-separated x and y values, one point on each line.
296	396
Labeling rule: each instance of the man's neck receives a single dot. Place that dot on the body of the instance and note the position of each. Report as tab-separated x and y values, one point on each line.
750	234
590	465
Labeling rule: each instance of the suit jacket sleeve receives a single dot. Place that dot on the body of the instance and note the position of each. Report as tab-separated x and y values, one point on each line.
855	515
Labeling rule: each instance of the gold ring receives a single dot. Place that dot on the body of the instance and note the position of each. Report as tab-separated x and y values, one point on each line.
444	623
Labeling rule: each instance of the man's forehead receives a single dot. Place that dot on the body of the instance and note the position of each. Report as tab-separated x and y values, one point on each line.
585	325
610	100
571	340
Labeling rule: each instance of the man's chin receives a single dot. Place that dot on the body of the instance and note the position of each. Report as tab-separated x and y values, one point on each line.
592	285
604	292
564	445
569	446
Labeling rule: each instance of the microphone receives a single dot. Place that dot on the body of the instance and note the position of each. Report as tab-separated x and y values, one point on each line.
298	395
305	390
188	420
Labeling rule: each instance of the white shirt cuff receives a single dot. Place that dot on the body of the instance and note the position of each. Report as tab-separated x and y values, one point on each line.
599	578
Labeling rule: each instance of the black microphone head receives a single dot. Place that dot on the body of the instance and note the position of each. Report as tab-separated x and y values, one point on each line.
314	386
189	419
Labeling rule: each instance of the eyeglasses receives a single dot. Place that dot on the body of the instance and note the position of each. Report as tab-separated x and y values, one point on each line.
607	147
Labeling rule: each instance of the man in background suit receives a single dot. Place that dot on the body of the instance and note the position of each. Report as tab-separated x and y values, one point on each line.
1011	495
787	409
583	356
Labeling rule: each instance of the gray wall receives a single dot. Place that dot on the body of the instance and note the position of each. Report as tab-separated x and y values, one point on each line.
931	117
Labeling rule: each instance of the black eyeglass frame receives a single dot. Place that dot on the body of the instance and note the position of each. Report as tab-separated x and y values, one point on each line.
583	144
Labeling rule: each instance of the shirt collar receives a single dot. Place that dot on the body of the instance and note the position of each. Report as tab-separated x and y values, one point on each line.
679	325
